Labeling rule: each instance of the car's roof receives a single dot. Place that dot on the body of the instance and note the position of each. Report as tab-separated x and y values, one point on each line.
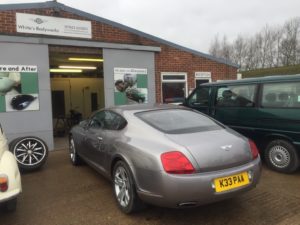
275	78
143	107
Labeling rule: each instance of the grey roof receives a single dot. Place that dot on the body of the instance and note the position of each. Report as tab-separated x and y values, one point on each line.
60	6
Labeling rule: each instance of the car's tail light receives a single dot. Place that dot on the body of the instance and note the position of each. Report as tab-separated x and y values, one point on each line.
176	163
254	149
3	183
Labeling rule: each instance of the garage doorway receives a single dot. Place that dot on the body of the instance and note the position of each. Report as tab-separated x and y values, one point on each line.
77	87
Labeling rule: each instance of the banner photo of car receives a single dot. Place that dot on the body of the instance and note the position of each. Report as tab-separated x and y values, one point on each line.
131	86
19	89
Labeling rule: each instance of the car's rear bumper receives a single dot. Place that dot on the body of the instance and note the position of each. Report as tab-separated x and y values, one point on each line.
198	189
9	195
9	168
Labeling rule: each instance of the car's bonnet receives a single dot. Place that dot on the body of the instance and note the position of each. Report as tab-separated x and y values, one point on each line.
215	150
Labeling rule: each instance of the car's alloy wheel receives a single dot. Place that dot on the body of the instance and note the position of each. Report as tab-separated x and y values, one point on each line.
75	159
281	155
122	186
30	152
124	189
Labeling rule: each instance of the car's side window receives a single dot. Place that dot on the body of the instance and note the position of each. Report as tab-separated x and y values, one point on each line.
97	121
114	121
281	95
200	97
236	96
107	120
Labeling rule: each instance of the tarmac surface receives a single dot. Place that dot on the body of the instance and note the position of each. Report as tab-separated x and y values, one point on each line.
61	194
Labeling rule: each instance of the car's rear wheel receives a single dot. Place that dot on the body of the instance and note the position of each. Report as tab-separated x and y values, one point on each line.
11	205
282	156
30	152
124	189
75	158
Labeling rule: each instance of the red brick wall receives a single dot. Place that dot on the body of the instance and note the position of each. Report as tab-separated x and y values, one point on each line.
168	60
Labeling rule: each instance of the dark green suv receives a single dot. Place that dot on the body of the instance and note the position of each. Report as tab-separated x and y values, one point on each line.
266	110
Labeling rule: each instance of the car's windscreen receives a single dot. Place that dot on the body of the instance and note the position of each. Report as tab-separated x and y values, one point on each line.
178	121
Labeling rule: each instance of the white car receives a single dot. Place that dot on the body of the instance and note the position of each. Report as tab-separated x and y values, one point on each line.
10	179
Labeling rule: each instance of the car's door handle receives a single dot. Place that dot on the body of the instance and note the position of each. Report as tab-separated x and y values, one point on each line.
100	138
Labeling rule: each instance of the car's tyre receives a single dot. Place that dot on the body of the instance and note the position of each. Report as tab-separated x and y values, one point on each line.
124	189
281	155
11	205
74	157
30	152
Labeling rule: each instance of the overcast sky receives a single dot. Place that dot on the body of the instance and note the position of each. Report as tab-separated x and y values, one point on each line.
190	23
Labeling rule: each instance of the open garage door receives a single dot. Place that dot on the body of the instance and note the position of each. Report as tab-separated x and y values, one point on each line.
76	85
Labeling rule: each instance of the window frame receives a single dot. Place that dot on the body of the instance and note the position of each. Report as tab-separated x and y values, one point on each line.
261	96
103	127
205	76
188	100
254	100
174	81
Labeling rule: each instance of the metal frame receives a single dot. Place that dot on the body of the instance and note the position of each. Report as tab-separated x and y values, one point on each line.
174	81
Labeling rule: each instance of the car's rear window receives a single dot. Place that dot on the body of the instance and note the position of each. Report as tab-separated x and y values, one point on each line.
177	121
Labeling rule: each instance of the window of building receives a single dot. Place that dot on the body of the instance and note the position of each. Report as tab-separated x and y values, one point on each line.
174	87
202	77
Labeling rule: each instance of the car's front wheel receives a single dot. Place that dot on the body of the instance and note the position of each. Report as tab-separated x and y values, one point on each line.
75	159
30	152
282	156
124	189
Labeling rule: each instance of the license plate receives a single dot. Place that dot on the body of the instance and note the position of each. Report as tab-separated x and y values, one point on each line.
231	182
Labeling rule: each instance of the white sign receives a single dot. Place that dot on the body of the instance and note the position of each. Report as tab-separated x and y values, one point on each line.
36	24
130	70
18	68
202	74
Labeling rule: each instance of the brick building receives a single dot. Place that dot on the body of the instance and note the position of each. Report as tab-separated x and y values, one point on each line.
40	41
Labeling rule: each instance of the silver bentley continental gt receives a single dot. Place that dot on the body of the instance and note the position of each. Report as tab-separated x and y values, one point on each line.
165	155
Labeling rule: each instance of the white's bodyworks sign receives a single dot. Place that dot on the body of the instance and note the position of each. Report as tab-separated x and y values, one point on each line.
36	24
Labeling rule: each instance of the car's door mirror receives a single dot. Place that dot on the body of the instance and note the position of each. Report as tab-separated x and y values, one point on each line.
96	124
185	101
84	123
99	124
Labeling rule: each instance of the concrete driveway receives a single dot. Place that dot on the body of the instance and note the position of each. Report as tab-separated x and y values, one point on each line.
62	194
